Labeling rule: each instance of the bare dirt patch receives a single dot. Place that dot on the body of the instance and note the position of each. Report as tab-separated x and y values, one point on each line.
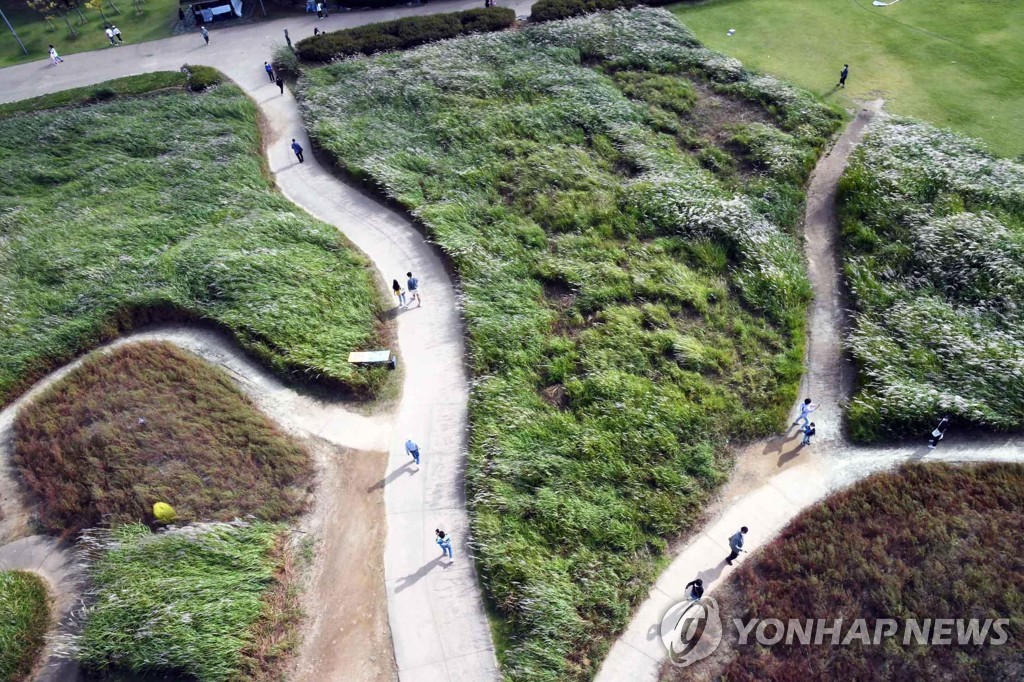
346	623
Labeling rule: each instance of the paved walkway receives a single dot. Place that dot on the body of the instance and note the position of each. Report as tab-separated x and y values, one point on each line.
775	480
438	626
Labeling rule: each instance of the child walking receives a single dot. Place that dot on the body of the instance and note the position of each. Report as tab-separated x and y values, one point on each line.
444	541
808	432
399	292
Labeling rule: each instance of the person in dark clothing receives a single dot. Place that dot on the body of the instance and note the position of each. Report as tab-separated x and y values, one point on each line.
939	433
297	148
842	76
288	39
736	545
280	84
696	588
808	432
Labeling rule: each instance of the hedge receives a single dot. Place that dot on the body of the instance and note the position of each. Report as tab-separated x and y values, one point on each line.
550	10
403	33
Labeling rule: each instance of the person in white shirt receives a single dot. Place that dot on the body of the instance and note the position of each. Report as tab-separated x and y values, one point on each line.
806	407
110	35
54	57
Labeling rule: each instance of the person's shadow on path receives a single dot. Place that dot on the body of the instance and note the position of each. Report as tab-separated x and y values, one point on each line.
413	578
778	445
393	313
710	575
400	471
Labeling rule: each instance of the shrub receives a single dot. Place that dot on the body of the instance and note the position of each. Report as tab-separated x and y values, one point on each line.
202	77
403	33
286	63
551	10
181	603
150	423
24	620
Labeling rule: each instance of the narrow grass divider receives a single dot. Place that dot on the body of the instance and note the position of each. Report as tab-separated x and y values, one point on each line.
24	620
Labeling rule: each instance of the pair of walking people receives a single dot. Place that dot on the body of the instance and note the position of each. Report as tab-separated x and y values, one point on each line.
695	588
413	285
113	34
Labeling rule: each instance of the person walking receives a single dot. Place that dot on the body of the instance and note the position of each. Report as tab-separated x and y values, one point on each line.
842	76
444	541
413	285
297	148
117	33
806	407
110	35
696	588
808	432
206	34
736	545
319	10
938	433
280	84
399	292
413	450
54	57
270	71
288	38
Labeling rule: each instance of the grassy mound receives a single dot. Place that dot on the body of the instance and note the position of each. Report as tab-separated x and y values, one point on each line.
193	602
953	64
156	207
617	201
24	620
933	236
928	541
84	452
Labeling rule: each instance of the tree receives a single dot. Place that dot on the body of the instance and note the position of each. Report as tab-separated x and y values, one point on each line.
50	7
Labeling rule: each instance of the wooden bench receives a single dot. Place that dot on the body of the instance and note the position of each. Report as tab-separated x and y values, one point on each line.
373	357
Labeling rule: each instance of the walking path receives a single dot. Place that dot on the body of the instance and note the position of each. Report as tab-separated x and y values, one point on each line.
777	479
438	626
437	621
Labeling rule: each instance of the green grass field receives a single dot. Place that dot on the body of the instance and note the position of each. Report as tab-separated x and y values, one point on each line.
156	21
927	541
953	63
196	603
136	209
24	620
620	205
204	448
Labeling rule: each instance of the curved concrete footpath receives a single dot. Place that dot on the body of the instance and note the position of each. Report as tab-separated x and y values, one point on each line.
776	479
438	626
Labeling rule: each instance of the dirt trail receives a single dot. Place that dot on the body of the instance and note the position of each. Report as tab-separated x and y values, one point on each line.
349	641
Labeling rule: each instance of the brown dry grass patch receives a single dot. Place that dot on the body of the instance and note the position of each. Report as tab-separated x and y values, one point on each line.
145	423
926	541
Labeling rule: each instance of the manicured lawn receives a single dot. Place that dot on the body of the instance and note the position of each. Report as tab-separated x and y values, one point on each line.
157	207
620	206
954	63
24	620
157	20
193	603
933	244
926	541
203	448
